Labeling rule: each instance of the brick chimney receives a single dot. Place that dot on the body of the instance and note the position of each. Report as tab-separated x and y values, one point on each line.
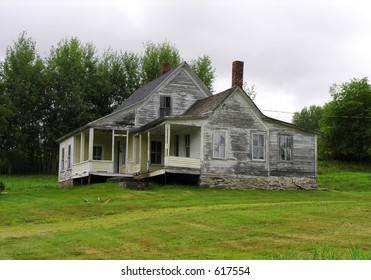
165	67
237	73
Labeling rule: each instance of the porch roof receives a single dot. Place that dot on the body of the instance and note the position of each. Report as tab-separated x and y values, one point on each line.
170	120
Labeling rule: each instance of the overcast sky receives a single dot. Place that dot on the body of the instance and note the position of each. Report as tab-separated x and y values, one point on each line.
293	50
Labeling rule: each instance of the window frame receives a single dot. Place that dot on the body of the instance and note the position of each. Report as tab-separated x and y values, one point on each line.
62	158
102	151
165	110
225	144
291	148
261	147
69	156
156	152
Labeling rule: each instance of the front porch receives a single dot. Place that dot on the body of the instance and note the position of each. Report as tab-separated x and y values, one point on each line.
167	148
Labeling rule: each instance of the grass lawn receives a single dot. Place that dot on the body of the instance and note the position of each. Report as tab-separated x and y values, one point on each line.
104	221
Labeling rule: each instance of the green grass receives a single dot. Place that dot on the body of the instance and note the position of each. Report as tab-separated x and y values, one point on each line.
40	221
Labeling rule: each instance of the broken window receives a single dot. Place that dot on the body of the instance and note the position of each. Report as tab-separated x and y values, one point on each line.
258	146
286	146
219	141
165	106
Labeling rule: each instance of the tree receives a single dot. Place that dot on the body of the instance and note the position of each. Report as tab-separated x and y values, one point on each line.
204	70
250	90
119	75
346	121
22	86
308	117
154	56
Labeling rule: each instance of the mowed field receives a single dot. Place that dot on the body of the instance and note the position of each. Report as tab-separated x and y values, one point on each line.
105	221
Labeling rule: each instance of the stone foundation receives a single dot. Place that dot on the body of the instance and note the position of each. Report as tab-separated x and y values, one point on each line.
66	184
246	182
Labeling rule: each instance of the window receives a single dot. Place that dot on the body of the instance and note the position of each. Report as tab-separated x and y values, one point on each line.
286	145
219	144
62	159
176	145
165	106
156	152
97	152
69	157
123	153
187	145
258	146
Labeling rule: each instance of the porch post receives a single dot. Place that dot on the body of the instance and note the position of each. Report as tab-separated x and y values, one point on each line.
113	144
315	157
91	143
167	142
112	164
140	152
82	146
127	153
148	149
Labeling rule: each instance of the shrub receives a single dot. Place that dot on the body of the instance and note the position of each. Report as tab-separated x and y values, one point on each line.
2	186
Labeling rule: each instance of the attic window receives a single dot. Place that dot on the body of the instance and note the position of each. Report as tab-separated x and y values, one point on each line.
165	106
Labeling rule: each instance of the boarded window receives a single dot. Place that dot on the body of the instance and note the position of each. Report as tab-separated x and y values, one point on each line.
165	106
187	141
258	146
156	152
97	152
286	146
219	140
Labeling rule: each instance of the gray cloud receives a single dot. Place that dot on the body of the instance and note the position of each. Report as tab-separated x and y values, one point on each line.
293	50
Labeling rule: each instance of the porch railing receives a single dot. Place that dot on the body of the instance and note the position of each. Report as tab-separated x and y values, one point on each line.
184	162
92	166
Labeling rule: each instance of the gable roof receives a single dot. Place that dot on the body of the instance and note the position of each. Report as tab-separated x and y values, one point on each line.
206	106
141	93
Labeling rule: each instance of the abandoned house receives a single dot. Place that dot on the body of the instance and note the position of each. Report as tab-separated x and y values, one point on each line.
175	125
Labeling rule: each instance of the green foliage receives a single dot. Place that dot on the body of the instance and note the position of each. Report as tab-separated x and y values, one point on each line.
204	70
308	117
22	88
119	75
2	186
154	56
346	121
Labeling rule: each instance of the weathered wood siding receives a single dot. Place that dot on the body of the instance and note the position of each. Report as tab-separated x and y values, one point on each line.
183	92
304	159
239	122
65	173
